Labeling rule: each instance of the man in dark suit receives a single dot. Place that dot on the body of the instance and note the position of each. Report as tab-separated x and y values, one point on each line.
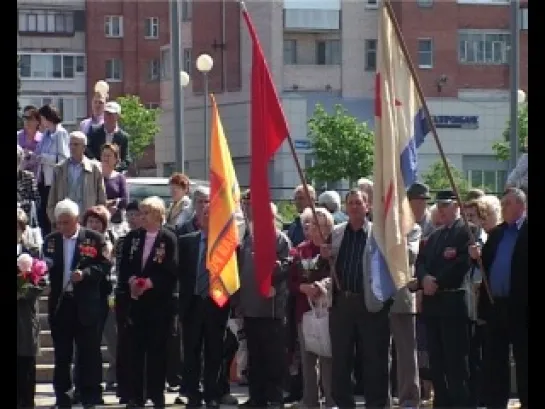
77	266
109	132
505	262
441	267
147	271
203	322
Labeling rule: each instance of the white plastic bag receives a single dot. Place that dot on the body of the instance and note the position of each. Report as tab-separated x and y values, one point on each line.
315	328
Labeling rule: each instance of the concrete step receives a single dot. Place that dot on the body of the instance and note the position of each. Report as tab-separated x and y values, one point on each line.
45	339
44	372
47	355
43	304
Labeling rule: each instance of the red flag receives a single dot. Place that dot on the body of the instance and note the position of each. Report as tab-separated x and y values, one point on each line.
269	129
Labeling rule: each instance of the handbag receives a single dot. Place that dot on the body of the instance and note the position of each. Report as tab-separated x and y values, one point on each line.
34	231
315	329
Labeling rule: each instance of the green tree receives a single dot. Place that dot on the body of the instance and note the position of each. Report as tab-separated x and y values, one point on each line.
140	123
436	178
19	119
501	148
342	146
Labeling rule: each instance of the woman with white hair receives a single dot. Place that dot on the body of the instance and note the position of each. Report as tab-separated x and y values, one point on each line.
306	269
148	272
492	216
331	200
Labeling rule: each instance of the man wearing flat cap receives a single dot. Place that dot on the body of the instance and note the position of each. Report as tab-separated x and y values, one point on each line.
441	267
419	196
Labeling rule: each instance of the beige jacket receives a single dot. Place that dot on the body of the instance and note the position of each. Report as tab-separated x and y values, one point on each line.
372	303
94	193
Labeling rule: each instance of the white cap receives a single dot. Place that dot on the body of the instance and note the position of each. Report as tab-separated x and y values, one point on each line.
112	107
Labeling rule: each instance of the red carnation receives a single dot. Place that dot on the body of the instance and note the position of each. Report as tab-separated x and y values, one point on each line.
140	282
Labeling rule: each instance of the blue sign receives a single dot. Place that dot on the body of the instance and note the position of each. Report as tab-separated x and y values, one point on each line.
301	144
456	121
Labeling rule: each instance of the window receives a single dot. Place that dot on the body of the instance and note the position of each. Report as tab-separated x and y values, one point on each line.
154	70
290	52
72	109
425	53
328	52
187	10
492	181
113	26
152	105
114	70
424	3
524	19
152	28
46	22
370	55
371	3
165	63
186	63
484	2
482	47
51	66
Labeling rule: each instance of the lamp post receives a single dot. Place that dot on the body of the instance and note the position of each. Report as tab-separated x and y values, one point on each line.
184	81
514	83
204	65
177	100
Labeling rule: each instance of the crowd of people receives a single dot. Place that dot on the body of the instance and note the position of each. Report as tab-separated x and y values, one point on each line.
134	275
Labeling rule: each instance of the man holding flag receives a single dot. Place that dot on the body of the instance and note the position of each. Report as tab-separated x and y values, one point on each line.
210	275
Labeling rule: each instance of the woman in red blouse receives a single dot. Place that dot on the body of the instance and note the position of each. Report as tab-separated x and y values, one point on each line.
308	267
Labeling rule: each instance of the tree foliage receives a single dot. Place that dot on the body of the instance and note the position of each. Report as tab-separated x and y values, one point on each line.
19	119
341	144
501	148
139	122
436	178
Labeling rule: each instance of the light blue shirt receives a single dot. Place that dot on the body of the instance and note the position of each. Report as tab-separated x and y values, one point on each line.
500	271
69	247
74	169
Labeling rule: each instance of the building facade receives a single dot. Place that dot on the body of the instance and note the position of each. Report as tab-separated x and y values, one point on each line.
325	52
52	60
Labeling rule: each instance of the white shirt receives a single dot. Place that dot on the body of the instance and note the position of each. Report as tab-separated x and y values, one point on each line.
110	136
69	247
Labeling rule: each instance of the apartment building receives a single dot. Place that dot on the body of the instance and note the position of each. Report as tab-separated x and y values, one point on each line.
325	52
51	50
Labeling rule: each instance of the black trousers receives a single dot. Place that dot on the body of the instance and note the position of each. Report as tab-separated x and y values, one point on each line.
350	323
294	382
448	350
265	339
148	366
505	327
204	325
43	219
26	381
476	359
124	344
67	329
230	348
174	362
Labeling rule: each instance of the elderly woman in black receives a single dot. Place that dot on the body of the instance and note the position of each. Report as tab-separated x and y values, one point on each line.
27	324
27	188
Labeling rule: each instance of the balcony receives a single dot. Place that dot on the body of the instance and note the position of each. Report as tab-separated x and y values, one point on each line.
312	20
312	78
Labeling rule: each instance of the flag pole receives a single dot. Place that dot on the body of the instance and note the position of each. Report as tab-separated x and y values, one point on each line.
433	130
304	184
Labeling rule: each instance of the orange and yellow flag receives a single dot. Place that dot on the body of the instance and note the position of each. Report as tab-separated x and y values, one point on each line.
223	232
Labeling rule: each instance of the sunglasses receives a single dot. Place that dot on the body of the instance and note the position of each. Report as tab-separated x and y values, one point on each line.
27	117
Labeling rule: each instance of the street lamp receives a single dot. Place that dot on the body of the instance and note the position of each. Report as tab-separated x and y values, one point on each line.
521	96
204	65
184	81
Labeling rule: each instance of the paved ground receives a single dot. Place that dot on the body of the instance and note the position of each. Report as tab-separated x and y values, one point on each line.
45	398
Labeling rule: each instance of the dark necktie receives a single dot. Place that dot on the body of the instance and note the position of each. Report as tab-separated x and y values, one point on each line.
203	280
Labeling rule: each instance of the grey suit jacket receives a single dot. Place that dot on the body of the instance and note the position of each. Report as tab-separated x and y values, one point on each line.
404	300
372	303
